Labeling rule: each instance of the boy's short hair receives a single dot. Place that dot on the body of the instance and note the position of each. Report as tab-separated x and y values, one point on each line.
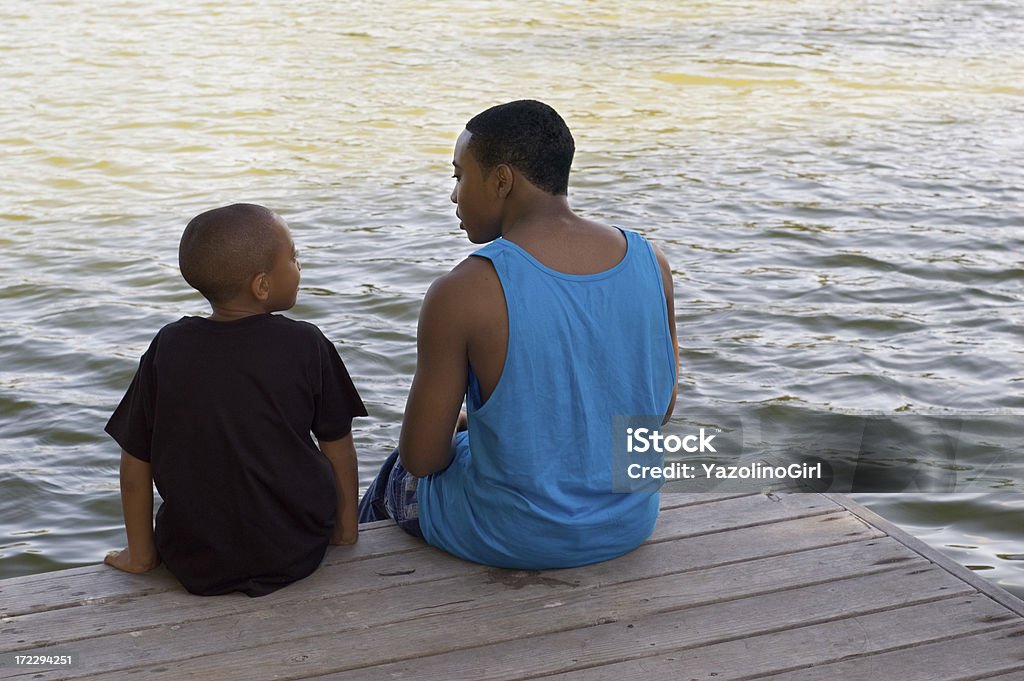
222	248
528	135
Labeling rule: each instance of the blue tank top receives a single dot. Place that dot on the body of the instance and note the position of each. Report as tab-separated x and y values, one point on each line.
530	483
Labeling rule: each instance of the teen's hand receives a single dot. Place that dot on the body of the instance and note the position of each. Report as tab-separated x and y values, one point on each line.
122	560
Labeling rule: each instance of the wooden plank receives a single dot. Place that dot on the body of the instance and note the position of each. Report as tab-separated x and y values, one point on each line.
522	639
97	585
472	592
743	511
980	583
812	646
134	613
962	659
633	634
76	587
481	586
679	499
1017	675
416	613
738	546
703	551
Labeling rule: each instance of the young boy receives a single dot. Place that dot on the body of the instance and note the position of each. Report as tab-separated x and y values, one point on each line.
220	413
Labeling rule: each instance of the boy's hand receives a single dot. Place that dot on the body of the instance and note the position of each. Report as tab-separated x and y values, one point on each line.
122	560
346	531
344	536
342	455
137	503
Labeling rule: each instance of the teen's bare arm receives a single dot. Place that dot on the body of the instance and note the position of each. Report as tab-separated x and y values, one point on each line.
666	281
342	455
432	410
137	505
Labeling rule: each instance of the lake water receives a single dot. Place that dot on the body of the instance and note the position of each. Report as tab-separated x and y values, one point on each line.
837	185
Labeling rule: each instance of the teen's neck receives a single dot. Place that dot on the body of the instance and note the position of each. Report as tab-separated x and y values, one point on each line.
541	210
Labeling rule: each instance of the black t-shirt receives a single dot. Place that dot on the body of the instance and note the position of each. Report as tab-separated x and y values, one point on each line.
223	412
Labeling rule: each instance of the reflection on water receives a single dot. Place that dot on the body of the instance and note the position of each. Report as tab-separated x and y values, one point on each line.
837	185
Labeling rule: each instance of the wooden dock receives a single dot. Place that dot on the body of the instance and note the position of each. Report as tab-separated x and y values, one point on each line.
796	587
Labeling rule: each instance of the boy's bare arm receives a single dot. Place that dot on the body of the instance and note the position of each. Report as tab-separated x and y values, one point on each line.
342	455
432	409
137	505
666	281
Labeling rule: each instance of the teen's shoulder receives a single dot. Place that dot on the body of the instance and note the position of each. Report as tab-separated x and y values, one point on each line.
464	280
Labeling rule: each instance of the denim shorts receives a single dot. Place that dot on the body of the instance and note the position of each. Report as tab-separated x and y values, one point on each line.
392	494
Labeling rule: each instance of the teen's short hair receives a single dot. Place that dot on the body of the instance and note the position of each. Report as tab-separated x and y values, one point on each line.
222	248
528	135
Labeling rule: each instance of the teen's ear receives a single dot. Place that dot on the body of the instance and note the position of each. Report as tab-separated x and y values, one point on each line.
504	178
259	286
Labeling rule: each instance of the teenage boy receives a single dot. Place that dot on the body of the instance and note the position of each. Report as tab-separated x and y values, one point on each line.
555	327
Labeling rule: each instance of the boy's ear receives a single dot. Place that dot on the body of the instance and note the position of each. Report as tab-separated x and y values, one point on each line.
259	286
504	178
